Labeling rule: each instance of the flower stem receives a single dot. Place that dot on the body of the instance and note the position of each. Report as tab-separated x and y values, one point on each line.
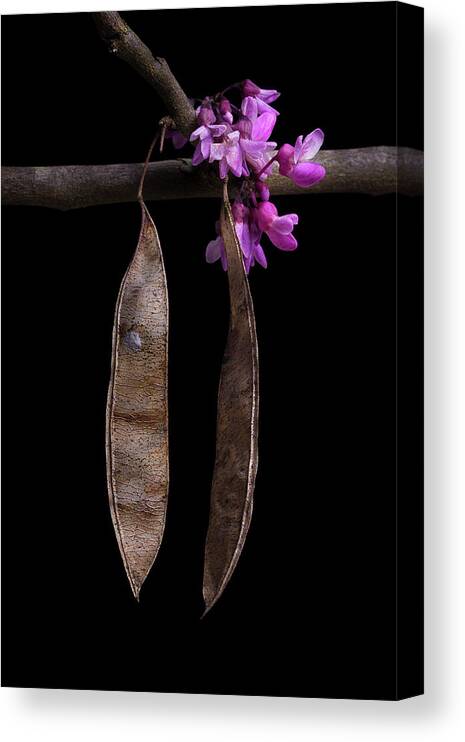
230	87
265	167
146	164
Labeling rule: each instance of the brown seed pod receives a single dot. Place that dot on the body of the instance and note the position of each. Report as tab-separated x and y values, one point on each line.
237	427
137	408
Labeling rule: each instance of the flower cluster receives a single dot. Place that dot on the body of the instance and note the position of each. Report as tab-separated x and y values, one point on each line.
238	138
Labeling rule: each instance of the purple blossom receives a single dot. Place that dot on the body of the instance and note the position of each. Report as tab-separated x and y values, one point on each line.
278	228
262	96
256	252
228	152
216	249
250	223
262	123
294	161
248	234
254	142
257	154
205	134
238	139
244	126
205	114
263	191
225	110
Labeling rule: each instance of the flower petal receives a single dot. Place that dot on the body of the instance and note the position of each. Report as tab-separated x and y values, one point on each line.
249	108
285	224
233	137
197	133
285	159
217	151
205	115
265	215
282	241
262	190
252	148
217	130
245	240
262	106
298	148
249	88
240	212
311	145
197	157
260	256
306	174
268	95
263	126
234	159
214	250
205	145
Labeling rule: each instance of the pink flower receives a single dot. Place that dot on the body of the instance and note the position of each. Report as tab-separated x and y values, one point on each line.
238	141
224	108
255	131
294	161
250	223
278	228
205	115
255	250
204	136
216	250
262	190
257	154
228	152
263	97
262	123
248	233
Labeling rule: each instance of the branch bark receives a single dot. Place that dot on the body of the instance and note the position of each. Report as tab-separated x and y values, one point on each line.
371	170
125	44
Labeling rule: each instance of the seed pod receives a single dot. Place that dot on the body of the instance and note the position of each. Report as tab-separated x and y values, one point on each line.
237	427
137	408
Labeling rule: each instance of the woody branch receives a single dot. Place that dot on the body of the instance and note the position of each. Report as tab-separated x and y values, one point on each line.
370	170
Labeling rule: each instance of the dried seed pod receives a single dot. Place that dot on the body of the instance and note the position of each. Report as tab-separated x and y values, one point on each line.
237	427
137	409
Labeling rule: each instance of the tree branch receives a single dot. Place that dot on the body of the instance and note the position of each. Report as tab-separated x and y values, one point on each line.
122	41
372	170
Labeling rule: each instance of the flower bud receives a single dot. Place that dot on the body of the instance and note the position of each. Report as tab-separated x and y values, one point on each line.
205	115
239	211
263	191
249	88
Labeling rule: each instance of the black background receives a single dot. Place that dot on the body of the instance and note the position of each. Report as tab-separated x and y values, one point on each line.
311	608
